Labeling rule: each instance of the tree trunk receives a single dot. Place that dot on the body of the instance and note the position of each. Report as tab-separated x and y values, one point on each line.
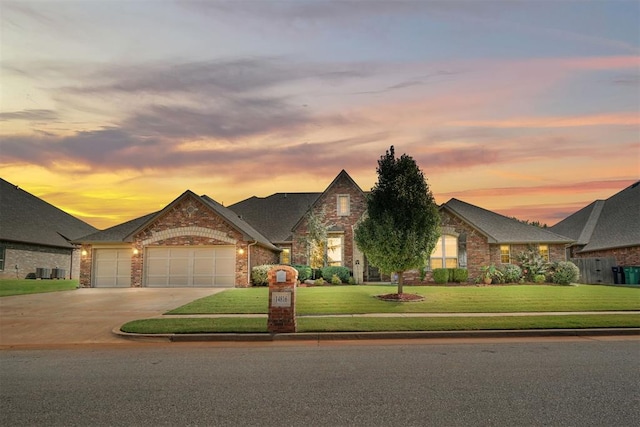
400	281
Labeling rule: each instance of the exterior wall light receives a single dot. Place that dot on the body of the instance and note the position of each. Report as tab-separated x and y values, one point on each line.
241	251
84	252
136	251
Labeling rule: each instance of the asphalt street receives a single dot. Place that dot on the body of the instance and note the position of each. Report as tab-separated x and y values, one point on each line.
552	381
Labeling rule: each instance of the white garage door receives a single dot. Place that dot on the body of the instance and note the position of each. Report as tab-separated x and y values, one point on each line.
190	266
112	268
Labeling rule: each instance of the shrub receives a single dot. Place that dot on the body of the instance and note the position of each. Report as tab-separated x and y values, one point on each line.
352	281
511	273
532	263
564	273
539	278
342	272
491	272
460	275
319	281
259	274
316	273
440	275
304	272
335	280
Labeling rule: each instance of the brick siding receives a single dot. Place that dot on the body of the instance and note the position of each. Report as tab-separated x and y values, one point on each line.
182	225
29	257
328	202
623	256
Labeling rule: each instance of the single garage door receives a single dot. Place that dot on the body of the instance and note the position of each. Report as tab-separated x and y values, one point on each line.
112	268
191	266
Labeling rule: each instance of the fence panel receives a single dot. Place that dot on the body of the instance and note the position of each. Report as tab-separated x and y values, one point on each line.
595	270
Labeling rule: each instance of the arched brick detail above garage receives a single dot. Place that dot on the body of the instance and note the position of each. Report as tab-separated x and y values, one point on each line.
170	233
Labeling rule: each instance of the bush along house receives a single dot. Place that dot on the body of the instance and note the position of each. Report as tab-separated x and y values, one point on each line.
195	241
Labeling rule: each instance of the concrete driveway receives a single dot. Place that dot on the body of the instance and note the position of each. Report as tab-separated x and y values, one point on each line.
84	315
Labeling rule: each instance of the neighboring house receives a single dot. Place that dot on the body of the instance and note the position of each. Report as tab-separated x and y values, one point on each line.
606	228
472	237
193	241
35	237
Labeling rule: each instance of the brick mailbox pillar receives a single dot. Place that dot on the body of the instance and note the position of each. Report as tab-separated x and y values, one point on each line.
282	299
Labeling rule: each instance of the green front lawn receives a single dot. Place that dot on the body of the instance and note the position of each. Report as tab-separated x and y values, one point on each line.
438	299
30	286
377	324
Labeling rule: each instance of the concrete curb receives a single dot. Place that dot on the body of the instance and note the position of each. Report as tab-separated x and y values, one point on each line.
336	336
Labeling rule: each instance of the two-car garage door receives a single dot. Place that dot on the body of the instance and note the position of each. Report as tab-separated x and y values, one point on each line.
190	266
168	267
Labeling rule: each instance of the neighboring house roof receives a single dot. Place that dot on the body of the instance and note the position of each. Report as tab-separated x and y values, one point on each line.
124	232
499	228
606	224
26	218
274	216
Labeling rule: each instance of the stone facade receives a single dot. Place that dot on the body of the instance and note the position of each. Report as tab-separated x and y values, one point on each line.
339	225
23	259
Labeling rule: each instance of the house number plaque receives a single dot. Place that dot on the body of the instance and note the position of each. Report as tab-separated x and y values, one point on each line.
280	299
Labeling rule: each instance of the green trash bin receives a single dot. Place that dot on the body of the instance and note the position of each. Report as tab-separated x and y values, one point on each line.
632	275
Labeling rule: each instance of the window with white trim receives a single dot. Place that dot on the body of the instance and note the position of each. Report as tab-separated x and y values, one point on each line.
445	254
334	251
343	205
505	254
543	250
285	256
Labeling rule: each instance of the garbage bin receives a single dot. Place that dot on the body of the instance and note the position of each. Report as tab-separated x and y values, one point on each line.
631	275
618	275
635	272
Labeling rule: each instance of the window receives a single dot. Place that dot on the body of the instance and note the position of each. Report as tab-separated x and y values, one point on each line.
285	256
334	251
445	254
2	257
543	250
344	208
505	254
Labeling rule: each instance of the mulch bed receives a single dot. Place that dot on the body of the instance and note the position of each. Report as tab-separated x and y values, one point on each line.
401	297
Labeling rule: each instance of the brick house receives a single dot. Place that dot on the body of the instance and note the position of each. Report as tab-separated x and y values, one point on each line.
472	237
606	228
193	241
36	237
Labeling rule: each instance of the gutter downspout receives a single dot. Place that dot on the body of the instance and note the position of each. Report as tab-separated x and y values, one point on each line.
249	261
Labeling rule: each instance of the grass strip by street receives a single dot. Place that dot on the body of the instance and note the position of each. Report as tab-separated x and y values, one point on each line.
382	324
438	299
10	287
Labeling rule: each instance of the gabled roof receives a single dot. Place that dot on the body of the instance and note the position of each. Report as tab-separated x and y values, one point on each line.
117	233
606	224
28	219
274	216
499	228
125	232
342	175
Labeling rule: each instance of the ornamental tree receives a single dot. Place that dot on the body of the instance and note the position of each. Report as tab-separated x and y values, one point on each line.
402	224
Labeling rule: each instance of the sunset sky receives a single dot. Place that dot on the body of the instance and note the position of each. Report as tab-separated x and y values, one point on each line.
111	109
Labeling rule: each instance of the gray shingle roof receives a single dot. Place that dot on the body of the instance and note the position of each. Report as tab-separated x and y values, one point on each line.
275	216
124	232
606	224
117	233
499	228
28	219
